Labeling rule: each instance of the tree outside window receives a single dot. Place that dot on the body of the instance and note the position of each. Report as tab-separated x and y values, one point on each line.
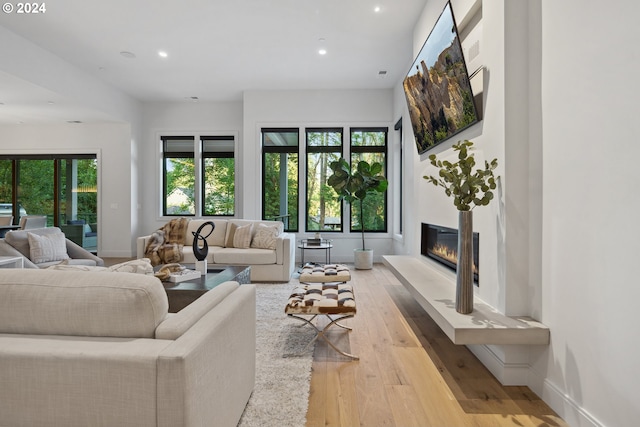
179	176
370	144
219	175
280	176
324	211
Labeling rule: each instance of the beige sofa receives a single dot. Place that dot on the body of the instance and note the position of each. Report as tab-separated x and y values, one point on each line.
16	243
99	349
267	265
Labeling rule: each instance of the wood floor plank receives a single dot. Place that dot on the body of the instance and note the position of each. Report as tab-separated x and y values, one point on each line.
409	372
405	406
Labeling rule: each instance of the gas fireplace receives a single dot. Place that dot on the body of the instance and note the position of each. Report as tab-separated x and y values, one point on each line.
441	244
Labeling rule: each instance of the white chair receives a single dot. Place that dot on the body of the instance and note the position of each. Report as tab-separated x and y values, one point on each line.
6	220
32	221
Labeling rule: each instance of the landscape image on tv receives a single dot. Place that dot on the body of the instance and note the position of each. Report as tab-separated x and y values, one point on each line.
437	86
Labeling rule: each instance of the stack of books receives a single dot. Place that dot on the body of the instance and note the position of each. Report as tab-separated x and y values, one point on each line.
314	242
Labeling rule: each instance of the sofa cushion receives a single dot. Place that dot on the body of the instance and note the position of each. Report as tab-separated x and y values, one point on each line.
215	239
47	248
231	233
20	240
242	236
177	324
251	256
189	258
100	304
265	237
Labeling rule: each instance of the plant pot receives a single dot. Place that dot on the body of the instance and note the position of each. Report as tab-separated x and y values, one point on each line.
363	259
464	269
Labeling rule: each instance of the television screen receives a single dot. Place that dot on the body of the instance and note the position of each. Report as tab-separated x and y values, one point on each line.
437	86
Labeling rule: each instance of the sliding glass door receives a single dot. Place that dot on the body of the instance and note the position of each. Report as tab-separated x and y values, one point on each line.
62	188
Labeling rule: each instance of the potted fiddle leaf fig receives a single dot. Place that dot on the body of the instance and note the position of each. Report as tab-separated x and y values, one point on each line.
354	186
469	188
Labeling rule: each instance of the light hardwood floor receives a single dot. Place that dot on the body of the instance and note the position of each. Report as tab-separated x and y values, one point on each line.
409	372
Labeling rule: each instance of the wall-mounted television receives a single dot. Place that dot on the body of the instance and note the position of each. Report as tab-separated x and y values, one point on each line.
437	86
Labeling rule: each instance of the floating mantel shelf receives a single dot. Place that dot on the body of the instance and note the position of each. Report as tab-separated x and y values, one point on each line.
435	292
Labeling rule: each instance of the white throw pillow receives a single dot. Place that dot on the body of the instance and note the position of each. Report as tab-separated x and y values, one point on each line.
47	247
242	237
265	237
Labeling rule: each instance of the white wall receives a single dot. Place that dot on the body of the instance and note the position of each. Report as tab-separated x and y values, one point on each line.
560	96
590	234
116	136
112	144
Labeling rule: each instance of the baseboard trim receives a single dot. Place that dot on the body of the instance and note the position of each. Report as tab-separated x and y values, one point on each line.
522	373
506	373
567	408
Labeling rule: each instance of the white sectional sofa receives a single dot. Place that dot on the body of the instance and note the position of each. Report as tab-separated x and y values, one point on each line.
100	349
267	265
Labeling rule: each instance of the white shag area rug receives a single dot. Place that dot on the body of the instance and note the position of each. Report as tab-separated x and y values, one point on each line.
283	365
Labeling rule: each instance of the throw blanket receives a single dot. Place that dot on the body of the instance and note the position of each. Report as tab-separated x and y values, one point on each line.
165	244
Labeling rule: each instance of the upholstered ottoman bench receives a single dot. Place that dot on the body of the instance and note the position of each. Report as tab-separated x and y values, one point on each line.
323	291
328	273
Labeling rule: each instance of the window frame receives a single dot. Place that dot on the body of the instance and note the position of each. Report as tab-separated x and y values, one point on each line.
321	149
287	149
178	155
378	149
215	155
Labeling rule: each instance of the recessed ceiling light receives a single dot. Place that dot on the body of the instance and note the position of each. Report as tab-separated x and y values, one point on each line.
322	51
128	55
162	54
50	102
377	9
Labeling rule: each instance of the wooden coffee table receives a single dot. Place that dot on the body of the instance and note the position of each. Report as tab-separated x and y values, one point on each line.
184	293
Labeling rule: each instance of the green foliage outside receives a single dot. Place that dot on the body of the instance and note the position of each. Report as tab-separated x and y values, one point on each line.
219	183
35	188
324	211
273	188
180	186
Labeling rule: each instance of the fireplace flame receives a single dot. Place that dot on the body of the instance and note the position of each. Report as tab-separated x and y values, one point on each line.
449	254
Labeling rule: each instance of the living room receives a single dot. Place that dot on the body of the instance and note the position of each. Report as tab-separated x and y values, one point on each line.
548	118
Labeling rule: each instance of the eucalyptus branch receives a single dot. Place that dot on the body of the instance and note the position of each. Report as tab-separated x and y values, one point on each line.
469	188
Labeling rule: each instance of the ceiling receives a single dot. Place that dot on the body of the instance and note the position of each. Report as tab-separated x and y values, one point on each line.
215	49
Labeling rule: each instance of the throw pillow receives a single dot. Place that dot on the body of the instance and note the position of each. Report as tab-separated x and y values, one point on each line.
242	237
265	237
231	232
47	247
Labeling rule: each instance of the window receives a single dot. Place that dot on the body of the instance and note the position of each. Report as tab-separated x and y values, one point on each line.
280	176
324	211
370	144
213	194
218	164
400	173
64	188
178	171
